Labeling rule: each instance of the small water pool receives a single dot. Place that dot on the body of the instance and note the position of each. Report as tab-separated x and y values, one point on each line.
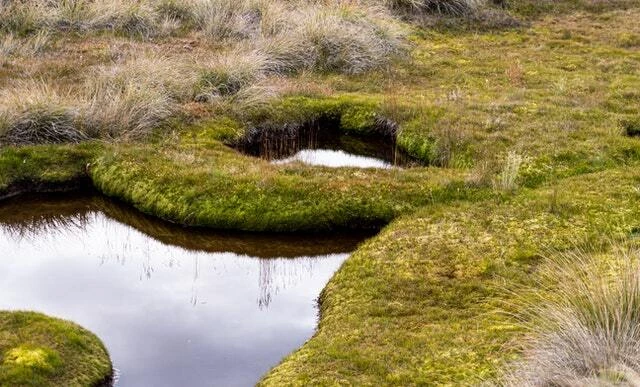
334	158
323	144
174	307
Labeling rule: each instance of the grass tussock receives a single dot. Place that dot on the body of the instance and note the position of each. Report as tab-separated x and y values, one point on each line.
132	99
247	41
216	20
507	179
227	19
12	46
584	321
228	74
36	113
348	40
135	18
125	110
631	126
443	7
284	39
125	101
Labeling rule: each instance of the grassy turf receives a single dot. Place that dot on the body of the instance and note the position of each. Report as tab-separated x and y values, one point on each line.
43	167
199	181
418	303
36	350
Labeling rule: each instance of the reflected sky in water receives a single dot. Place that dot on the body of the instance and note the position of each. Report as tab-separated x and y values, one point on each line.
334	158
325	144
168	315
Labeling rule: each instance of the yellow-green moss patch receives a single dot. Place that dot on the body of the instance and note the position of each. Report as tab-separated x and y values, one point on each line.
36	350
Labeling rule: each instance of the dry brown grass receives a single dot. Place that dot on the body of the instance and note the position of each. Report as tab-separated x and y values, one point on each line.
447	7
128	88
34	112
584	322
11	45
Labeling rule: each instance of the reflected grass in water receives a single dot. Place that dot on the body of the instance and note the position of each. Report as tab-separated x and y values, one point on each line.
28	216
323	143
222	308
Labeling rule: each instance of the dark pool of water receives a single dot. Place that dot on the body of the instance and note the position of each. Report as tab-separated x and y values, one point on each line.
324	145
174	306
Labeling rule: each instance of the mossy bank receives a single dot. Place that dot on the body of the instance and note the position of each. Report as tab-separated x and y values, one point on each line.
36	350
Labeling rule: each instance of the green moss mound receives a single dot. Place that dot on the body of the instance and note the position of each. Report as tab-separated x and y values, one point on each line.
36	350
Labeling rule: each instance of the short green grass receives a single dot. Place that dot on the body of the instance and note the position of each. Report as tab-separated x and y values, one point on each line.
419	303
36	350
43	167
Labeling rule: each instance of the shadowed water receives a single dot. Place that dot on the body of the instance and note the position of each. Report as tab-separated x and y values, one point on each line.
173	306
323	144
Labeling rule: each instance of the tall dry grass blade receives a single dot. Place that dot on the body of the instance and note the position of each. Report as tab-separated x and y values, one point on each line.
583	320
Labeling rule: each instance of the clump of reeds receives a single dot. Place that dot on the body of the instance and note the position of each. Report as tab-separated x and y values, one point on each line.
34	112
446	7
507	180
132	99
583	320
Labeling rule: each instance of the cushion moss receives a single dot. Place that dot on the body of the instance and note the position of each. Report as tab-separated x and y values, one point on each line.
36	350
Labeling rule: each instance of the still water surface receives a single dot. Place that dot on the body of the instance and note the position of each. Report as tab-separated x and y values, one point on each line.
174	307
334	158
325	146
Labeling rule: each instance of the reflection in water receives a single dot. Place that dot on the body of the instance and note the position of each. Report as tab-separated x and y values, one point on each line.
32	216
324	144
186	307
334	158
